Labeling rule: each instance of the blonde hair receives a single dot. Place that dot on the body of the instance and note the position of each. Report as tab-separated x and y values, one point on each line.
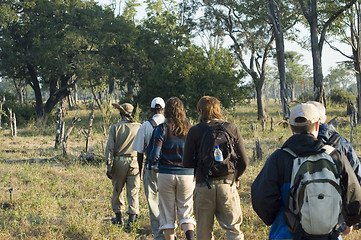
175	116
209	108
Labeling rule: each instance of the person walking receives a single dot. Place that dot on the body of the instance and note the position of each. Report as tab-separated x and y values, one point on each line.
122	166
329	135
274	187
215	195
175	183
149	177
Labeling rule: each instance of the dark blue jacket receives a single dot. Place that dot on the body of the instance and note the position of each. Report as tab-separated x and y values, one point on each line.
270	188
327	133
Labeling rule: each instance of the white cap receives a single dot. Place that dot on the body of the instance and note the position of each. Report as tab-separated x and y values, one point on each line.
157	101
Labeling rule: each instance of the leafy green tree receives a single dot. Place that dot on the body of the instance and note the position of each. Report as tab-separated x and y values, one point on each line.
340	76
296	73
247	25
54	45
192	74
180	68
351	35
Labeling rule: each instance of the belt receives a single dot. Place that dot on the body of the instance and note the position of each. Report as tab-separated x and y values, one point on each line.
125	158
215	181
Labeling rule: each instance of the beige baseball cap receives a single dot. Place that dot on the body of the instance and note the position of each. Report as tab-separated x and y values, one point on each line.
321	110
304	114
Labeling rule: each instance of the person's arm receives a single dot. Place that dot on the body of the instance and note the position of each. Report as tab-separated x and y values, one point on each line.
109	151
351	191
157	144
140	157
139	145
241	153
346	147
266	190
190	147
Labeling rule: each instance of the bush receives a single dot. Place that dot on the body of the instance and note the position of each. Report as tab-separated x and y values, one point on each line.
341	96
305	97
24	112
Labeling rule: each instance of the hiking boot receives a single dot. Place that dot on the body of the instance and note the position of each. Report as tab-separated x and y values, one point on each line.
131	219
117	219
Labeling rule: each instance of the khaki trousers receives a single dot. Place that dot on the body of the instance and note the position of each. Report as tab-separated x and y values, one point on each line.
125	172
175	199
150	183
221	201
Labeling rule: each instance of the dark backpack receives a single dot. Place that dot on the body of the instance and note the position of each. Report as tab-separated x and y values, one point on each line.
150	144
212	136
315	196
150	163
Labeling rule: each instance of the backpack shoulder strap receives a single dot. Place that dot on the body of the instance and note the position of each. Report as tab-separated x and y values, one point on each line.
164	128
152	122
328	149
290	151
334	139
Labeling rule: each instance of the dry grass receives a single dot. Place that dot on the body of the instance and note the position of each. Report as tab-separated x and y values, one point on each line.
66	199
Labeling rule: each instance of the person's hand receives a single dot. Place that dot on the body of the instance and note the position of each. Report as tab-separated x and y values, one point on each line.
347	230
109	174
141	174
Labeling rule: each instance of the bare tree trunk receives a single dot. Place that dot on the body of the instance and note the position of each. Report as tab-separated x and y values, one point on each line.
12	119
357	57
318	35
2	101
75	94
358	77
88	132
95	95
261	106
37	91
278	32
316	58
67	133
59	132
15	129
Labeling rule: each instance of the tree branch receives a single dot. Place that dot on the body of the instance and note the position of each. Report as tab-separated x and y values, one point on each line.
331	19
338	50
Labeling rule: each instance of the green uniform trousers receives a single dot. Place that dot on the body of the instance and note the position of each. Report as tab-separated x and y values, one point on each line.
125	172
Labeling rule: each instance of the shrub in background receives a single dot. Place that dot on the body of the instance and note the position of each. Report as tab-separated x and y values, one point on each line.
341	96
24	112
305	96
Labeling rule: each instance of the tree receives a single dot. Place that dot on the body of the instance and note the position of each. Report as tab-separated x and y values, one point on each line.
319	16
56	44
339	77
296	73
247	25
182	69
351	35
280	47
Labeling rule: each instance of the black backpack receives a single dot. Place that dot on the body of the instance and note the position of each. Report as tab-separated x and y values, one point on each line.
212	136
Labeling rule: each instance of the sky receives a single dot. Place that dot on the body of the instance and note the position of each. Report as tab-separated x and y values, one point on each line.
330	57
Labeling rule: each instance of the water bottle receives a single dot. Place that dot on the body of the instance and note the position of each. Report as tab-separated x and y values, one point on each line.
218	156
